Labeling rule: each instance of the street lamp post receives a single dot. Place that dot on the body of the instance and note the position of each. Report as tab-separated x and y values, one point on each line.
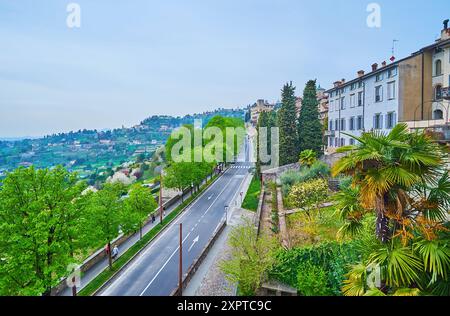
226	213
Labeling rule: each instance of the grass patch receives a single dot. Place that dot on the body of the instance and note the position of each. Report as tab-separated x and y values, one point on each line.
252	197
104	276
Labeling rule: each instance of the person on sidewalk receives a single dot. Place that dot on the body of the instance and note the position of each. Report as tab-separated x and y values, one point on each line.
115	252
107	249
153	218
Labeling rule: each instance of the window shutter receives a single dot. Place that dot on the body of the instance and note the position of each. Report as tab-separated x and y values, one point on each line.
394	118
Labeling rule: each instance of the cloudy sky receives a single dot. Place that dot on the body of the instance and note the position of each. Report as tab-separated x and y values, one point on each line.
133	59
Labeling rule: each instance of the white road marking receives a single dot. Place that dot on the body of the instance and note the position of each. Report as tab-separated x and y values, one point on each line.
167	229
164	265
194	242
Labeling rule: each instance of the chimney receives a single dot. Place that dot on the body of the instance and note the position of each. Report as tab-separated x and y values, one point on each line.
361	73
374	67
383	64
342	81
446	24
445	34
337	83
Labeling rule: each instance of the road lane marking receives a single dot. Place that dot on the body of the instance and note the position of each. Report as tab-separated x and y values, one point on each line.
194	242
162	268
166	230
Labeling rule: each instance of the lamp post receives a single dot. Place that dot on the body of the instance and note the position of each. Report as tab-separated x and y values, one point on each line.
226	213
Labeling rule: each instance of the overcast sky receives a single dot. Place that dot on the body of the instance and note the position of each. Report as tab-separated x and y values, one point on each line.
133	59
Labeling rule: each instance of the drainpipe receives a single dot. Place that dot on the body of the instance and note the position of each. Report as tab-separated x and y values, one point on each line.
423	86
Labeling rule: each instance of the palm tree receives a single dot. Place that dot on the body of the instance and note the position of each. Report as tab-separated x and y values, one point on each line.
386	167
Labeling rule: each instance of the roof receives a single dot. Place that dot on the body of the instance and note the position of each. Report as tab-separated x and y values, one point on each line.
395	63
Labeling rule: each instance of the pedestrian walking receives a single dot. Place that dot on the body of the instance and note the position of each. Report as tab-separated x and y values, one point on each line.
153	218
107	249
115	252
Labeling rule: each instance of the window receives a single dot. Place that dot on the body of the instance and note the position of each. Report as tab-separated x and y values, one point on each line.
352	123
342	124
378	121
379	94
352	141
360	84
438	67
359	123
336	125
353	87
438	92
331	141
352	100
342	103
392	72
331	106
336	142
360	99
380	77
438	115
342	141
390	120
391	90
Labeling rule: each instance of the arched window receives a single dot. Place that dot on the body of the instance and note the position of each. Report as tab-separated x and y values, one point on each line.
438	114
438	67
438	92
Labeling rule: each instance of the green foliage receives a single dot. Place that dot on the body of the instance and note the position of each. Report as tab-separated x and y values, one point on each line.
309	193
308	157
39	226
251	258
333	258
289	178
312	280
287	123
309	126
251	199
139	205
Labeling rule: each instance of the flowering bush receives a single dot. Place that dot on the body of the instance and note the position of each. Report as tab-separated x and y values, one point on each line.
308	193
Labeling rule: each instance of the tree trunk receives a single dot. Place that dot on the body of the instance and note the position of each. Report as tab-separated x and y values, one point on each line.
109	255
382	223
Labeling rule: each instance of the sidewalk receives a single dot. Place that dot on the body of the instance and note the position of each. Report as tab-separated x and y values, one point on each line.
98	268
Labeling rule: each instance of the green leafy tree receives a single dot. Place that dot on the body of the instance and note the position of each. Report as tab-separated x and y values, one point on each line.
179	175
107	215
287	124
309	126
38	225
251	258
140	203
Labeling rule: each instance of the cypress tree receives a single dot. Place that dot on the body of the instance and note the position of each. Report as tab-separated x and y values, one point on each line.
309	126
287	124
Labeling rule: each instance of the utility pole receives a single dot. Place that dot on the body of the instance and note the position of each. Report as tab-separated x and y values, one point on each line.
180	275
74	287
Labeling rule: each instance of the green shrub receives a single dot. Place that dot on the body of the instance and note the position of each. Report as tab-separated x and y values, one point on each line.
312	280
334	258
308	193
317	170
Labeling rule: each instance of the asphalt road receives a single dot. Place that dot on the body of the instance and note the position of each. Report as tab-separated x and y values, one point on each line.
155	271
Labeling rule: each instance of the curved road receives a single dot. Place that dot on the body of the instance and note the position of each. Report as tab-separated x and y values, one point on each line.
155	271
